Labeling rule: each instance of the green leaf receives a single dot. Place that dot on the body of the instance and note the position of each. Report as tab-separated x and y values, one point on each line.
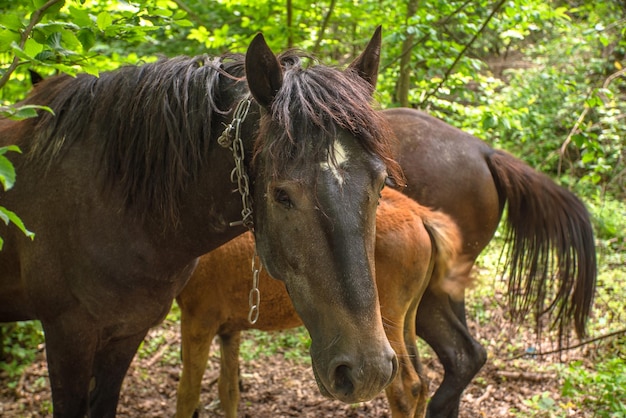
8	216
50	10
91	70
588	157
67	69
7	38
579	140
87	38
80	16
44	56
7	173
161	12
32	47
69	39
184	23
54	41
11	21
23	112
104	20
14	148
19	52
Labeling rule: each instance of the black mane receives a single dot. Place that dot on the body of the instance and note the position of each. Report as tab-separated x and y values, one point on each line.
152	124
320	98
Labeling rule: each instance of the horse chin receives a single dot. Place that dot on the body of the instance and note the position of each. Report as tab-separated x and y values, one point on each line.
320	385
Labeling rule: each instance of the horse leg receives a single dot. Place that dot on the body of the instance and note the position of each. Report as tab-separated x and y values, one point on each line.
438	323
70	350
228	386
420	392
196	339
110	366
403	392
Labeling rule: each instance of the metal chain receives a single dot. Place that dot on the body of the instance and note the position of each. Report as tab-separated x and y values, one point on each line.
254	297
239	176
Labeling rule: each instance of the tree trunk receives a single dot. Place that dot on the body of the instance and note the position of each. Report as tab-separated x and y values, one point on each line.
289	24
404	81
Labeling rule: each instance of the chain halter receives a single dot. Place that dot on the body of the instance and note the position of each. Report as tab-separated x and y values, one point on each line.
239	176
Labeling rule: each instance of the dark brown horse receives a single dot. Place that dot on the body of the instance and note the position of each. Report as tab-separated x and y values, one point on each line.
125	185
415	248
551	257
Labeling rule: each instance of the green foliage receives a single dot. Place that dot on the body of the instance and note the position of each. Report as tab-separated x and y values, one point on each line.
591	383
19	343
609	217
543	405
599	389
7	179
292	344
158	344
78	36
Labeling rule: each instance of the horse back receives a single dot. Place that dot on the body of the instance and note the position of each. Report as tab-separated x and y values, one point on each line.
446	169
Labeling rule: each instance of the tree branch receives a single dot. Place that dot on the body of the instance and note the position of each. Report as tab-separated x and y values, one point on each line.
192	15
576	128
289	24
320	36
404	80
439	23
465	48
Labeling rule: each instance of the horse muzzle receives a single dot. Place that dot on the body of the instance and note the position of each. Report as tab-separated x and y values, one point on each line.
357	378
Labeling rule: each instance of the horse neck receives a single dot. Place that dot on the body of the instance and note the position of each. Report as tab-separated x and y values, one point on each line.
212	201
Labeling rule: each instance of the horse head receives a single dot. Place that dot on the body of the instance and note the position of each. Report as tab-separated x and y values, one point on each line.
319	165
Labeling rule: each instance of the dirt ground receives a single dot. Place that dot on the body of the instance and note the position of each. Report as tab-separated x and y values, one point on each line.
276	387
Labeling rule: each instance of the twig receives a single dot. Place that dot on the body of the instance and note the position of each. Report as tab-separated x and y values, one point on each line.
157	356
532	377
34	19
19	390
572	347
439	23
190	13
460	55
322	31
213	381
565	143
581	118
490	389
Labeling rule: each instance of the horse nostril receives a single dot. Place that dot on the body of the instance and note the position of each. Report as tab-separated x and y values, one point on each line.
343	381
394	367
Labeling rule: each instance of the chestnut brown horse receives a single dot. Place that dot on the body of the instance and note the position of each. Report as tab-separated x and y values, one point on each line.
415	248
126	184
551	262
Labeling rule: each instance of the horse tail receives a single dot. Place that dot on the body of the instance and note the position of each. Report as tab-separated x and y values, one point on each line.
450	273
549	246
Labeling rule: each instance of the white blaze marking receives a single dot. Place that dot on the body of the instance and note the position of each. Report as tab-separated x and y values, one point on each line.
340	156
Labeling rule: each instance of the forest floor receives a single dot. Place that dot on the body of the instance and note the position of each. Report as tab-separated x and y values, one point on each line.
278	384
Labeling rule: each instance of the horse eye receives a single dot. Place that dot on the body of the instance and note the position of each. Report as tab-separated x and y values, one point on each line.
382	186
282	197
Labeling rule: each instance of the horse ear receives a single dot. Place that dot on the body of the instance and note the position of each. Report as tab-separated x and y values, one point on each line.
366	64
35	77
263	71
